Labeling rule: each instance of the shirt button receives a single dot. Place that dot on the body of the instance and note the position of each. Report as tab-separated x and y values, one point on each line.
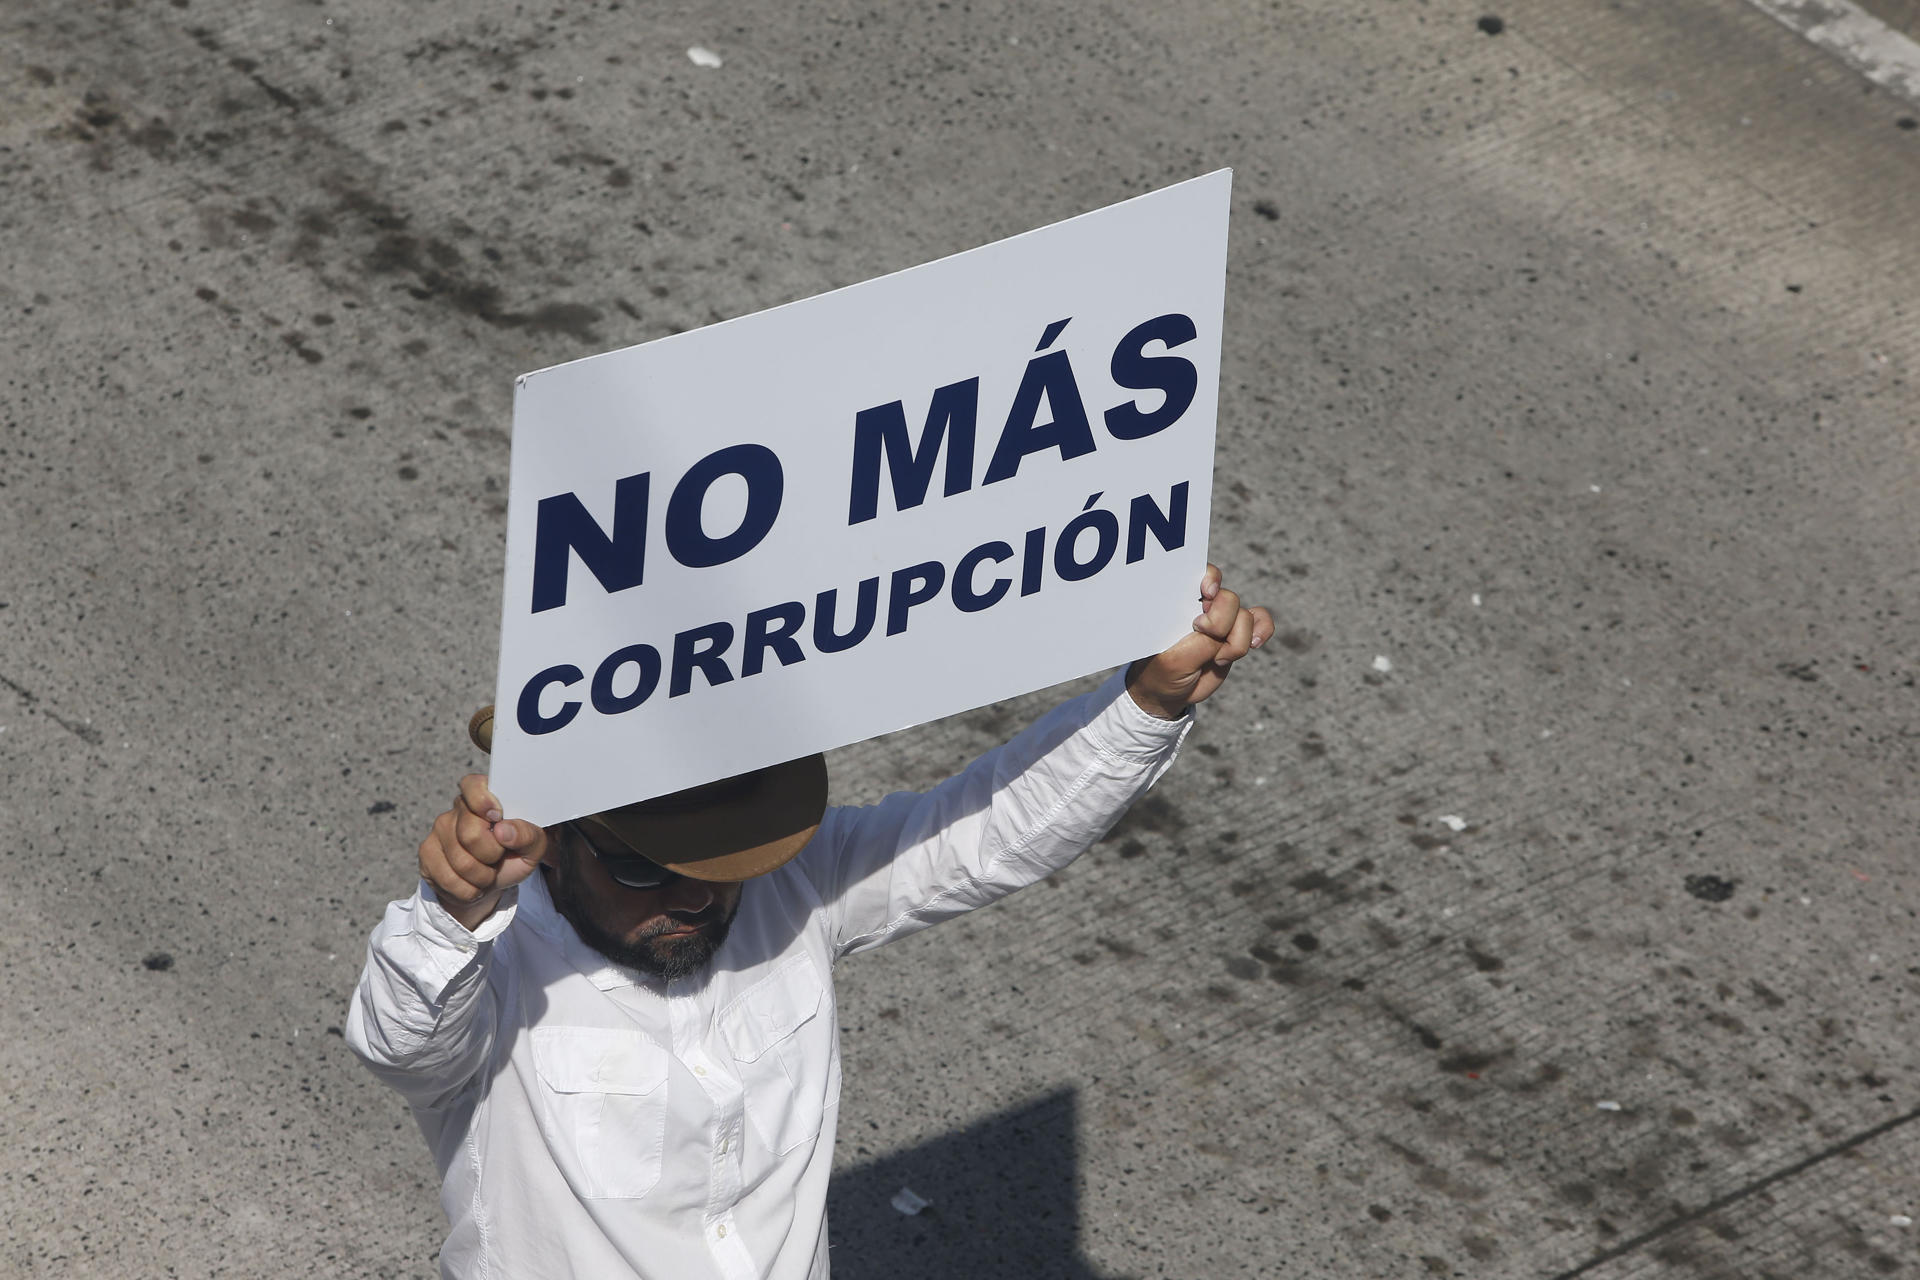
700	1071
720	1232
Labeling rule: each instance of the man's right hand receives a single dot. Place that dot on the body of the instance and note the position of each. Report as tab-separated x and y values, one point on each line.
473	855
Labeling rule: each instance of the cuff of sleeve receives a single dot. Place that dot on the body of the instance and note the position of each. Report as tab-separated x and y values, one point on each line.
434	920
1127	730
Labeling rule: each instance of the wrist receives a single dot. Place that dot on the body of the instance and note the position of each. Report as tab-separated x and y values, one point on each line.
1161	706
469	915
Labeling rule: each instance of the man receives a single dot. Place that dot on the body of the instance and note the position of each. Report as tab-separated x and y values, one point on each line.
628	1064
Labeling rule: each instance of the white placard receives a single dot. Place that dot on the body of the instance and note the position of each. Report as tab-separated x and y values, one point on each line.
861	511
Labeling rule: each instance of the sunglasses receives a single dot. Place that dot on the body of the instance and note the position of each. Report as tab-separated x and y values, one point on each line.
624	865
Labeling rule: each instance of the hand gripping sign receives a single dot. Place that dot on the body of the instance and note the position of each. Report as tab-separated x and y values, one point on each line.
861	511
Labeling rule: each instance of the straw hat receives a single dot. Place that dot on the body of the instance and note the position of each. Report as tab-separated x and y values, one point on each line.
729	830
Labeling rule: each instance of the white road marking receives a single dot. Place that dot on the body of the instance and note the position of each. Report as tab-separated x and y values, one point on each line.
1856	37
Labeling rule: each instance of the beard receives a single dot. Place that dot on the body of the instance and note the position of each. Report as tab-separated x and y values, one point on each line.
649	952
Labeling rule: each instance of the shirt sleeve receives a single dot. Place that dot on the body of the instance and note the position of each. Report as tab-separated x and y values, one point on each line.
423	1017
1014	816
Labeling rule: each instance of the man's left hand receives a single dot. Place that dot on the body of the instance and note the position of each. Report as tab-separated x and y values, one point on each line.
1196	665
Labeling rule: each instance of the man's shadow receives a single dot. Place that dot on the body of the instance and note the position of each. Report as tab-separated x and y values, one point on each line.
1003	1199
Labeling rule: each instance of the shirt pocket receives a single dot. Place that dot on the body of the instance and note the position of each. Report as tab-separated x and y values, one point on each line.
603	1110
783	1051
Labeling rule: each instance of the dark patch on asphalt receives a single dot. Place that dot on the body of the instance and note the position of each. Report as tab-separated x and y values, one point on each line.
85	732
1288	974
1468	1060
1242	968
252	221
155	138
1491	25
1267	209
158	961
1710	888
1484	962
439	269
1431	1176
1906	122
382	806
1544	1076
1427	1038
1155	814
1382	933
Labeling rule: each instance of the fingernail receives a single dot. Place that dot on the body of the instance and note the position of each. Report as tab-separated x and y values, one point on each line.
1199	621
1258	641
494	815
503	832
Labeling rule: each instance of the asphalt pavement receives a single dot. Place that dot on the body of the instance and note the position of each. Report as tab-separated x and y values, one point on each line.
1542	904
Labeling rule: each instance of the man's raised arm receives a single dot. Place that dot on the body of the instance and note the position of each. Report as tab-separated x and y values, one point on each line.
421	1017
1026	809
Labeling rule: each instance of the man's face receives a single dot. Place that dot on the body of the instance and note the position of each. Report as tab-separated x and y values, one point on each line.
669	932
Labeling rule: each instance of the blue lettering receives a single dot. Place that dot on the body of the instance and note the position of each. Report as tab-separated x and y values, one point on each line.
1106	530
687	655
562	525
688	540
645	660
1049	375
773	629
527	713
1169	528
883	429
965	598
1175	376
866	606
912	586
1033	560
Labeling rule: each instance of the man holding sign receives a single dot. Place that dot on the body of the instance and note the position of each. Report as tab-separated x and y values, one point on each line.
609	1002
625	1068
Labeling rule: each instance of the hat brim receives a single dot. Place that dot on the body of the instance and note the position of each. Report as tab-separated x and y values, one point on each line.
724	831
756	823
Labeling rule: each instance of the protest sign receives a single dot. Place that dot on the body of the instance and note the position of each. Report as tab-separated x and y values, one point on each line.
861	511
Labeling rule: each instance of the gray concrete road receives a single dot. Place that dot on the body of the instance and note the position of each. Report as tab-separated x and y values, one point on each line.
1569	370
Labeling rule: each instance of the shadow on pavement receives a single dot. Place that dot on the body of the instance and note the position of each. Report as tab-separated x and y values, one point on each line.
1003	1204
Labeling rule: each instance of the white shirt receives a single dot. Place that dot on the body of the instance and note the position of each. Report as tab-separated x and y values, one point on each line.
589	1121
